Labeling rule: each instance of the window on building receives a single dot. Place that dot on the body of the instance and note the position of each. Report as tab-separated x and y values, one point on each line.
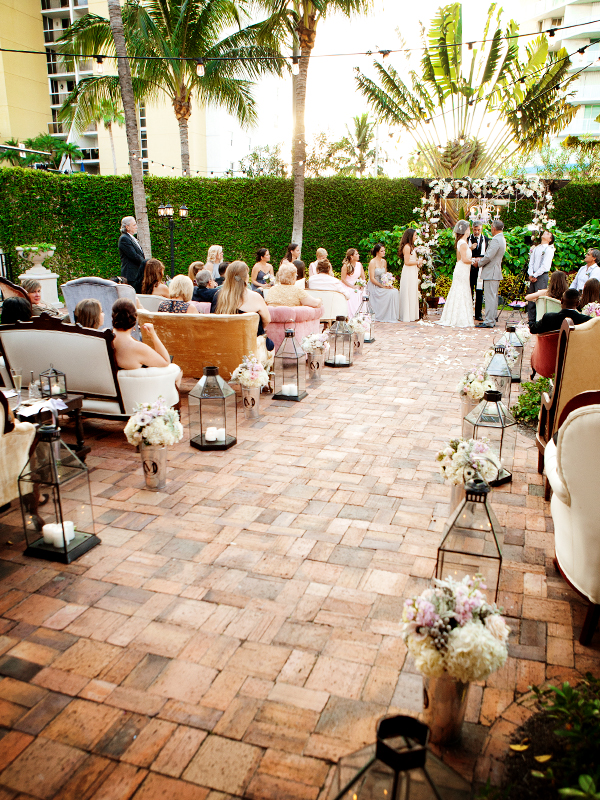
556	22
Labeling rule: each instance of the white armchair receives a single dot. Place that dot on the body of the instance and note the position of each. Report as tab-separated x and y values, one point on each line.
572	470
146	385
15	440
335	304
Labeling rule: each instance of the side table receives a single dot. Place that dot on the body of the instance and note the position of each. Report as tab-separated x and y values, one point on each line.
74	403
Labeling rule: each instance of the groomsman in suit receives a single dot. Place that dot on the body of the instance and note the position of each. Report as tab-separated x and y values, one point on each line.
479	242
133	259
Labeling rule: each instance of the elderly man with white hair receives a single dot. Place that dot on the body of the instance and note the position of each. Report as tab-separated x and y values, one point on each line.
206	288
133	259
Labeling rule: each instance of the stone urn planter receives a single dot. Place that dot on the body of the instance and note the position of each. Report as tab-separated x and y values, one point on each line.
48	279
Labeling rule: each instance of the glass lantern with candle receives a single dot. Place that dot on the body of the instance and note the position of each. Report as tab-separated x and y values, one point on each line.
510	338
290	370
341	347
367	315
56	501
492	421
472	540
53	383
213	412
499	370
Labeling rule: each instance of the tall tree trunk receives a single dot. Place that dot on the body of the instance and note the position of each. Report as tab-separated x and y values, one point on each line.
299	146
112	146
131	127
183	111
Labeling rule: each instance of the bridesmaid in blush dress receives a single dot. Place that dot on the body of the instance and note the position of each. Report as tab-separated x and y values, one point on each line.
409	280
352	270
385	300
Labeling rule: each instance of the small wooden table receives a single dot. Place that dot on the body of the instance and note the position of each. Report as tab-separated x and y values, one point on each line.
74	403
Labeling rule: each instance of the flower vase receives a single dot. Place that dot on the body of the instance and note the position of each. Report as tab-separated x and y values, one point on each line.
457	495
358	340
154	462
250	401
314	363
467	404
444	706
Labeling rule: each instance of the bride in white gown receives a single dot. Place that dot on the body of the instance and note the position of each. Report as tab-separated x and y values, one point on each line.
458	310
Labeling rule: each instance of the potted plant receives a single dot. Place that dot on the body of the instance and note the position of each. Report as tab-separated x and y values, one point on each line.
37	253
252	377
153	427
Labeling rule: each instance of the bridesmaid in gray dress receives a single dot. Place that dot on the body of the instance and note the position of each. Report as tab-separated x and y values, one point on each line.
385	301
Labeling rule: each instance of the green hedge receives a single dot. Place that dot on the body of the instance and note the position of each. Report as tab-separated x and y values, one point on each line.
81	215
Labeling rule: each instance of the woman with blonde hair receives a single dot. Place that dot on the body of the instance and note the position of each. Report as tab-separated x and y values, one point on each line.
89	314
321	254
236	297
181	289
152	282
213	259
194	269
287	293
352	271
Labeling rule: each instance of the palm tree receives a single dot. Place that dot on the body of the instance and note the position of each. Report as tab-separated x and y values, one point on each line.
358	154
467	117
12	156
178	52
67	151
307	13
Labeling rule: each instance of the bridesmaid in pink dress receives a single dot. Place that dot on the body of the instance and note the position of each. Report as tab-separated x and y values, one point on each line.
352	270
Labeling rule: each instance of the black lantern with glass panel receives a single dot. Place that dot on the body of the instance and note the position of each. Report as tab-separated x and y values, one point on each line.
511	339
499	370
290	369
212	410
399	766
472	540
367	315
56	501
53	383
491	420
341	347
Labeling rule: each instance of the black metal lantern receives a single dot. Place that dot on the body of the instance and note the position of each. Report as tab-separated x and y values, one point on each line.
399	766
472	540
56	501
510	338
212	410
491	420
290	369
499	370
341	346
53	383
367	315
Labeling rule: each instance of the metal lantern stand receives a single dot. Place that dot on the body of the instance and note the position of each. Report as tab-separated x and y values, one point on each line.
166	213
53	383
341	346
510	337
290	370
500	371
472	540
491	420
56	500
212	410
367	315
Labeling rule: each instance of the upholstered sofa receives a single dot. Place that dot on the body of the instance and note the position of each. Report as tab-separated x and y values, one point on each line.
545	305
107	292
203	340
303	319
151	302
335	304
87	358
16	439
543	355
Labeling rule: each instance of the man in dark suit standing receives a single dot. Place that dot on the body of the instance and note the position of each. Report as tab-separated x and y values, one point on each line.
133	259
478	243
553	320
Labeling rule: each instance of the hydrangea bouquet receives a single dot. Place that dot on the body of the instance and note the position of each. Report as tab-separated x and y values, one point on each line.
154	424
475	383
510	353
316	342
387	279
523	332
359	284
591	309
358	325
463	459
250	373
452	629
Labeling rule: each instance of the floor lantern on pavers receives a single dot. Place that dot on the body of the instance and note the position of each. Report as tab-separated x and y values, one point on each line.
367	315
491	420
499	370
472	540
56	501
290	369
212	411
399	766
510	339
341	346
53	383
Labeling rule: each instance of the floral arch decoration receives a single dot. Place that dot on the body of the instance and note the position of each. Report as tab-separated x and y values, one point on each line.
482	195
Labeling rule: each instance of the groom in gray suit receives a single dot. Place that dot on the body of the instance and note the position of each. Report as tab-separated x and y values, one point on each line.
491	272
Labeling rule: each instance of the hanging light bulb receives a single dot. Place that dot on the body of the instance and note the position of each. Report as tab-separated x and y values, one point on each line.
99	65
427	120
519	113
551	33
295	65
522	82
385	53
200	68
462	141
470	45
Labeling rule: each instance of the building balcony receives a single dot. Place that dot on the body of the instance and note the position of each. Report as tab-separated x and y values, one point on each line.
57	129
55	8
59	69
91	154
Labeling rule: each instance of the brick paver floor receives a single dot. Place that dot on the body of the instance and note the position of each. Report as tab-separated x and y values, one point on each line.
239	632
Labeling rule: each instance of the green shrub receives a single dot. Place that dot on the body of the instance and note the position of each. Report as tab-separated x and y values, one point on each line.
527	408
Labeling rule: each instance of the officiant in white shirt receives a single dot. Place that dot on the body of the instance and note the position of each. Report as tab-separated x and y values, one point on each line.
132	256
589	270
326	281
478	242
540	262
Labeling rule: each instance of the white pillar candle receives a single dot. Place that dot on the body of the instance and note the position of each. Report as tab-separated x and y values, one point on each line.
48	532
211	435
69	530
341	359
289	389
220	434
55	388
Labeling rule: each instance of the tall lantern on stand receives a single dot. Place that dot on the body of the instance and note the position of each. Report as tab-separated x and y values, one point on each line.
499	370
212	410
290	370
367	315
491	420
511	339
341	346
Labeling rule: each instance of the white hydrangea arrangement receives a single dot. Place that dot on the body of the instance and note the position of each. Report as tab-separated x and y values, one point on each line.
358	325
462	459
475	383
591	309
510	354
250	373
523	332
154	424
451	629
315	343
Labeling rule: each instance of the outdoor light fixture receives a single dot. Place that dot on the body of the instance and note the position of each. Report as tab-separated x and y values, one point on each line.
461	141
295	65
169	210
385	53
200	68
551	33
511	338
522	82
519	114
166	213
290	370
470	45
366	314
341	348
99	65
161	210
183	211
492	421
53	383
212	412
501	373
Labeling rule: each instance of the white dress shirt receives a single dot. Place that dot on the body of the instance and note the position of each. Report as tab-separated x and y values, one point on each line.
540	260
585	273
135	240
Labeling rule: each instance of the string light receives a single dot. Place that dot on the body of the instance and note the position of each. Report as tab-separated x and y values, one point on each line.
200	67
551	33
522	82
470	45
99	65
519	114
295	65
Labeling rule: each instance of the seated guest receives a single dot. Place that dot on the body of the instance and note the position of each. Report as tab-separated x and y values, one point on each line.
181	290
194	269
15	309
300	274
557	286
321	256
589	270
326	281
152	282
213	259
262	268
287	293
236	297
129	353
38	306
590	293
222	270
206	288
553	320
292	253
89	314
